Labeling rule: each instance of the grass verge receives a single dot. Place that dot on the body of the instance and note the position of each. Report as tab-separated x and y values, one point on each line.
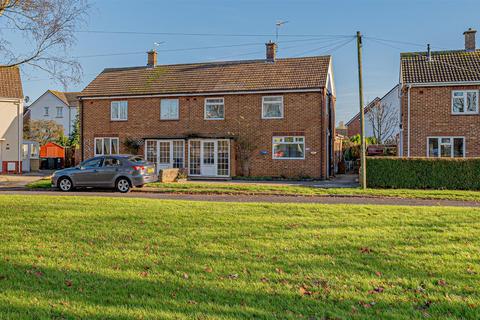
292	190
122	258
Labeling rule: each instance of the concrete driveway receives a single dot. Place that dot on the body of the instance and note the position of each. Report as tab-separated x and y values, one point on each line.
20	181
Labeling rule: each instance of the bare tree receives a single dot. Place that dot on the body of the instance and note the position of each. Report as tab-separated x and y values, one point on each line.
384	121
48	30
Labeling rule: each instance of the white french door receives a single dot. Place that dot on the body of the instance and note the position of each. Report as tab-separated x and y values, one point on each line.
209	158
165	153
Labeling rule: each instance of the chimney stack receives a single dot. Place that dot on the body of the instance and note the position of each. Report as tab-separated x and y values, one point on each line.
470	39
152	58
271	51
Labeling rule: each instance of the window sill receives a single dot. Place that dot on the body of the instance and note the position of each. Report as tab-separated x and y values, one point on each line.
464	113
170	119
288	158
112	120
276	118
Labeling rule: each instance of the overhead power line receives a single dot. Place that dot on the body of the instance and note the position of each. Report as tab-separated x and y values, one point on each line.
334	46
316	40
197	34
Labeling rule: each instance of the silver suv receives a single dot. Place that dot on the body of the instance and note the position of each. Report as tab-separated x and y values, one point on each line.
114	171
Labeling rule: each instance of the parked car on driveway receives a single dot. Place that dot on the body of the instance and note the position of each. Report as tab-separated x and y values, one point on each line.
121	172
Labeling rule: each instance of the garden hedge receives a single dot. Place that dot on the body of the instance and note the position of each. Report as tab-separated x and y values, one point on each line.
424	173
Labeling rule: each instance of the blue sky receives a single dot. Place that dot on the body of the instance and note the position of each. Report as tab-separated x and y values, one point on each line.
418	22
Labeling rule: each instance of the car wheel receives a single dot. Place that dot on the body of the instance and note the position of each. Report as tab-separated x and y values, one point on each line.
65	184
123	185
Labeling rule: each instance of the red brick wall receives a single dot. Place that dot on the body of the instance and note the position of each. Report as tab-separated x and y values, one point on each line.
353	128
303	114
431	115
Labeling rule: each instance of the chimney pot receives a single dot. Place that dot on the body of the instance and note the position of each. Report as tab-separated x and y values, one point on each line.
152	58
470	39
271	51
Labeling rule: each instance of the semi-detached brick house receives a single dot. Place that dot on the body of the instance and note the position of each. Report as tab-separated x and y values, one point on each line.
440	93
206	116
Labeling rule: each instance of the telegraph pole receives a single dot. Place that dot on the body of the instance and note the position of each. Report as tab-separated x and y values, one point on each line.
363	168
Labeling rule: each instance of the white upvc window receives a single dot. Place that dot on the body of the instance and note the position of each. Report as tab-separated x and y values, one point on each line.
214	109
446	147
169	109
288	147
59	112
272	107
465	102
45	111
119	110
105	146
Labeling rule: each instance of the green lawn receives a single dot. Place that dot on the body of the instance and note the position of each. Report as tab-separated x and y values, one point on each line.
126	258
285	190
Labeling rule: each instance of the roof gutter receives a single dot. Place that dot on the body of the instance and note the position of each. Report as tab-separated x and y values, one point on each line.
444	84
319	89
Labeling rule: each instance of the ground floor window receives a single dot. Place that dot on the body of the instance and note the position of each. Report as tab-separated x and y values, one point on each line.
446	147
288	147
165	153
104	146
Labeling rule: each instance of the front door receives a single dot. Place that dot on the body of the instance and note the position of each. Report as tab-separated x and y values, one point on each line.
208	164
209	158
25	157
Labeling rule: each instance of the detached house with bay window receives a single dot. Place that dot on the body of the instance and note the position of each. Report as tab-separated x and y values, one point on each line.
439	102
267	117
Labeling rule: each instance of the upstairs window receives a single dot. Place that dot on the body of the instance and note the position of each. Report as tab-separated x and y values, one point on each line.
45	111
59	112
272	107
119	111
446	147
465	102
288	148
214	109
169	109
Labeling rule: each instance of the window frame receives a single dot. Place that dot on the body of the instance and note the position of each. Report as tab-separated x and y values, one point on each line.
59	115
465	92
119	102
103	146
46	111
288	158
452	153
178	109
206	104
282	107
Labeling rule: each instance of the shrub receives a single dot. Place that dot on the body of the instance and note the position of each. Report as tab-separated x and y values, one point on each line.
424	173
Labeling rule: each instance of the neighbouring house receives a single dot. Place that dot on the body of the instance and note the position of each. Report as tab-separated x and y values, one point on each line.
353	125
266	117
61	107
440	93
382	118
342	129
11	120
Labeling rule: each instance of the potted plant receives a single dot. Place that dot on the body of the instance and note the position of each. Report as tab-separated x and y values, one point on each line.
182	175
